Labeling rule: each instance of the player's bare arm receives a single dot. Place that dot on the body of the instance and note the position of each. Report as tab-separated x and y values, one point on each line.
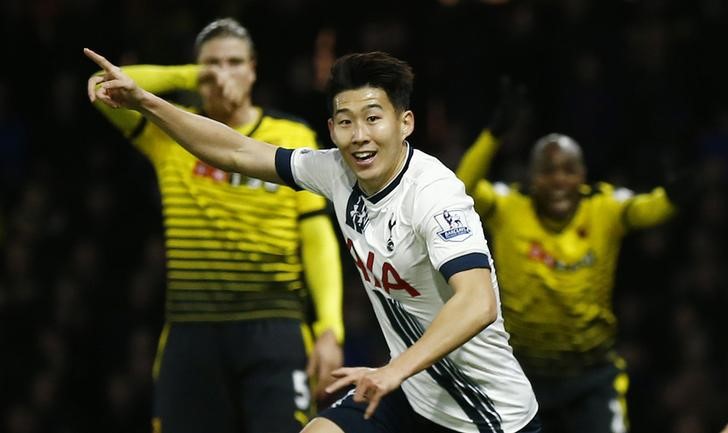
209	140
471	309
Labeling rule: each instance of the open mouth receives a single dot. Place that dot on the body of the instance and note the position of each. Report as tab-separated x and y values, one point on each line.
560	196
364	156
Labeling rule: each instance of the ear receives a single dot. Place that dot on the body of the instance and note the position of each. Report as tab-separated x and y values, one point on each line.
408	123
330	124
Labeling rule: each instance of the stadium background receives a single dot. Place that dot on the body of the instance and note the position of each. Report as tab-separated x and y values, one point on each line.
641	84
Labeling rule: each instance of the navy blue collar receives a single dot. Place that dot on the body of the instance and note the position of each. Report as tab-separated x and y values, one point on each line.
393	184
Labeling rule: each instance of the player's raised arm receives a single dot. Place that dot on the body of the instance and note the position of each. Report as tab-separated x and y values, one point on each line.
209	140
512	109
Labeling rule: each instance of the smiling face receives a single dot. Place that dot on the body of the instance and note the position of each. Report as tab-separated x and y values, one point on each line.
370	134
557	173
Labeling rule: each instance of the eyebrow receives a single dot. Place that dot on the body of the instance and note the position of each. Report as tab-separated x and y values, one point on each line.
367	107
232	57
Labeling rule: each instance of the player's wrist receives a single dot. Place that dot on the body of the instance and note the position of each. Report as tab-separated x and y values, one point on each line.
490	135
486	142
145	102
400	369
320	329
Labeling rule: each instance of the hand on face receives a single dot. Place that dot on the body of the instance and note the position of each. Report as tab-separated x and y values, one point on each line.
221	89
113	87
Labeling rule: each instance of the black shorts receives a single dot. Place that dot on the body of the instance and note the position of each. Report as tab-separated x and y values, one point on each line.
246	376
593	402
393	415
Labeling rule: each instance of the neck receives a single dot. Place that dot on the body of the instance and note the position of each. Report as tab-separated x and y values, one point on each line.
397	167
555	224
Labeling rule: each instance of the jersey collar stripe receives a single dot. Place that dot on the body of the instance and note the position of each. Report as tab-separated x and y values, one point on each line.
464	263
283	167
471	399
392	185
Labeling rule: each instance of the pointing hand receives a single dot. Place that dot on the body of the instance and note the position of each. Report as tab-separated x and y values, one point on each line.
112	86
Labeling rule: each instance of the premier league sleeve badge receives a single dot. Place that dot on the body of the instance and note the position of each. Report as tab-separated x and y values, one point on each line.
454	226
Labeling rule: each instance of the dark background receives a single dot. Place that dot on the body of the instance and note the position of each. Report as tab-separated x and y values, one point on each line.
642	85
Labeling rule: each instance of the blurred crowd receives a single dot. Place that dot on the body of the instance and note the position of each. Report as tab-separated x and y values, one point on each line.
642	85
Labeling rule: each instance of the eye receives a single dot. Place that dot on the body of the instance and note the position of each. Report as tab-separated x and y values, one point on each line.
572	169
344	122
372	118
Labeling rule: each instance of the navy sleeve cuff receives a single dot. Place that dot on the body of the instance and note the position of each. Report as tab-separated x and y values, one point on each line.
464	263
283	167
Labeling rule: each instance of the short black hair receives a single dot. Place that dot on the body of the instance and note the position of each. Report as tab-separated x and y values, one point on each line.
375	69
223	27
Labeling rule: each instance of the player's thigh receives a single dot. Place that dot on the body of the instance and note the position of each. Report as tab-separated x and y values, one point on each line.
274	388
189	389
393	415
322	425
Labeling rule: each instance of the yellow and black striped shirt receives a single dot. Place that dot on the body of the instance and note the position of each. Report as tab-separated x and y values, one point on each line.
233	243
556	287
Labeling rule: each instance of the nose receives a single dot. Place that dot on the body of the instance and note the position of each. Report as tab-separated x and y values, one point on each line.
562	179
359	134
559	176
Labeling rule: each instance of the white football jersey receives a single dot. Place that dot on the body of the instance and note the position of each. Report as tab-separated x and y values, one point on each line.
407	240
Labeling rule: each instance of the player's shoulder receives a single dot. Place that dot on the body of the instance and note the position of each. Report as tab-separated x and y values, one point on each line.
607	191
425	168
323	164
510	189
430	179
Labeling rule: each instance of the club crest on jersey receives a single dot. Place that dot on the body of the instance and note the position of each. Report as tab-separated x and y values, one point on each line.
453	226
356	212
390	243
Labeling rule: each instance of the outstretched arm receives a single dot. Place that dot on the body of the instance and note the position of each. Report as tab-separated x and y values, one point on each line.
209	140
156	79
648	210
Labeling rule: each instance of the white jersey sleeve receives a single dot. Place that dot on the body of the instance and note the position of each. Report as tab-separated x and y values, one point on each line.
445	219
314	170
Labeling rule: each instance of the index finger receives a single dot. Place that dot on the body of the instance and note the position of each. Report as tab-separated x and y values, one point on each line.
99	60
91	86
344	381
373	403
